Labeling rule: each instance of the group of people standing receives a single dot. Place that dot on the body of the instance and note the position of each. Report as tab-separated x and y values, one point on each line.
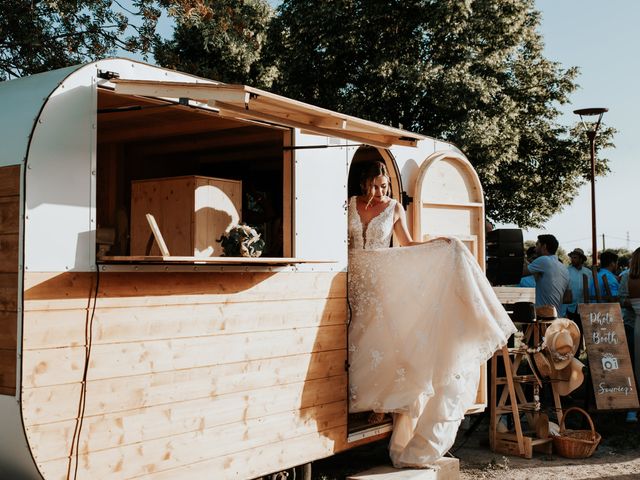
563	287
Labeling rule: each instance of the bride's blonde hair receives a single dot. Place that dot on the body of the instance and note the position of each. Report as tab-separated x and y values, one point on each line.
371	171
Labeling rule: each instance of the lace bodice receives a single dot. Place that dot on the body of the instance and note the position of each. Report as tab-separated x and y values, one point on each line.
377	233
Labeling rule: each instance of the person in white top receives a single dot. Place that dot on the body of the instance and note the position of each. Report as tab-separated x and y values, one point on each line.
374	216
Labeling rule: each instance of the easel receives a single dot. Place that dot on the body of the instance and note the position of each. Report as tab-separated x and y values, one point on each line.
513	400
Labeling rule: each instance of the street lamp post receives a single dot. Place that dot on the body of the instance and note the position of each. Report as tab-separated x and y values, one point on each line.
591	135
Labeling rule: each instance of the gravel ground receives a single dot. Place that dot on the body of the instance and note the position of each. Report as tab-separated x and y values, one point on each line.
617	457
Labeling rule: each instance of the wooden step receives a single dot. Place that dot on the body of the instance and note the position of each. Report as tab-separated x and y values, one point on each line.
522	408
517	379
507	444
511	436
445	468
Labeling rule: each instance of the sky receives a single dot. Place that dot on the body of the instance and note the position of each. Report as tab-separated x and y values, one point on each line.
601	38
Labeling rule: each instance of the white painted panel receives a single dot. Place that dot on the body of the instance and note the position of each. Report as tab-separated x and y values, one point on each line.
134	70
15	456
409	160
320	200
59	228
21	101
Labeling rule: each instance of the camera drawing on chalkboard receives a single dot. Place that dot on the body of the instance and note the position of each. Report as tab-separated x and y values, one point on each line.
609	362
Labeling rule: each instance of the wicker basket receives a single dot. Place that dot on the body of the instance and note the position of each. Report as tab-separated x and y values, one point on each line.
576	443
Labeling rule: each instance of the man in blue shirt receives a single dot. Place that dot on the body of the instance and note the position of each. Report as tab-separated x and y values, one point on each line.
608	266
552	278
529	281
576	271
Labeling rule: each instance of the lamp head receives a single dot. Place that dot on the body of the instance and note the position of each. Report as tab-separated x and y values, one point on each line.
595	124
588	112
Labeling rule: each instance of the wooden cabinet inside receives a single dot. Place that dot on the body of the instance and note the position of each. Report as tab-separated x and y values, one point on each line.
192	212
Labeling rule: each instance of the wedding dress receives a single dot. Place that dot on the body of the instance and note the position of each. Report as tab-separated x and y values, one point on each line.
423	320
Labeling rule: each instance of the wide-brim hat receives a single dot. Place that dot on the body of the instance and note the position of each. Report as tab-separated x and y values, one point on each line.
569	378
546	312
579	253
562	338
540	366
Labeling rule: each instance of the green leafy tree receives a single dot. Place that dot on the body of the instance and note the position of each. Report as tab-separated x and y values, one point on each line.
468	71
219	39
41	35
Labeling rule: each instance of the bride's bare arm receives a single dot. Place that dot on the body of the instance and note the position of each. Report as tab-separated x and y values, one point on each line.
402	232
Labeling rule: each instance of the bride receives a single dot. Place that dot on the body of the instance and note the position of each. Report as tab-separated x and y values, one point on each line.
423	321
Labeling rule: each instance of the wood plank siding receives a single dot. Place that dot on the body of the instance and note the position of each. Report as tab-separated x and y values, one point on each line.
9	238
191	375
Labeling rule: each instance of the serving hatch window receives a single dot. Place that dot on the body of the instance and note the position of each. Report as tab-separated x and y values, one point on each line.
182	175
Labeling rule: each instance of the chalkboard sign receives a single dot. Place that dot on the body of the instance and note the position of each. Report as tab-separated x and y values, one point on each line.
609	362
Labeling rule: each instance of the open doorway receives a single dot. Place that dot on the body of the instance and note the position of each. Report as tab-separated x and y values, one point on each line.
365	425
363	156
366	154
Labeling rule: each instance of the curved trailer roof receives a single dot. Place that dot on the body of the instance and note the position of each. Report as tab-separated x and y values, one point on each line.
23	100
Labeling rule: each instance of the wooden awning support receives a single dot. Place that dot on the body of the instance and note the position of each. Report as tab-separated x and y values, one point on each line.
241	101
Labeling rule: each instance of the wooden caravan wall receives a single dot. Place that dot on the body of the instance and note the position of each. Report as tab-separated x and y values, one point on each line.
9	220
191	375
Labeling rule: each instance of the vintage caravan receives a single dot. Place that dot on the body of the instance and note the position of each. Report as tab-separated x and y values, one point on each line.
121	361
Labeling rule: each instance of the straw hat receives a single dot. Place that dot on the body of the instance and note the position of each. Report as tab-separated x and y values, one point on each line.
570	377
540	366
544	312
562	338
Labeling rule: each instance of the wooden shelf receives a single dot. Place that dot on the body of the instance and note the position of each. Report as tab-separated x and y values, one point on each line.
452	204
210	260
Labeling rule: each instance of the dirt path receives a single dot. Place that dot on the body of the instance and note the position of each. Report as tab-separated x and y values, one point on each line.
617	457
478	462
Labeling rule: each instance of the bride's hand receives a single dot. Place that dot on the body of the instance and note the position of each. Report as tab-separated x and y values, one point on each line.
435	239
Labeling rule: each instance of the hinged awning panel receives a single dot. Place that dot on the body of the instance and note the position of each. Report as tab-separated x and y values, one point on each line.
241	101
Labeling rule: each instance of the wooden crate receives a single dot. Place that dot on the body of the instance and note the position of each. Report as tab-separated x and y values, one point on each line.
192	212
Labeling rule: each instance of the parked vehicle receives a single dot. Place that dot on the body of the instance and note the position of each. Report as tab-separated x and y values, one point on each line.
117	362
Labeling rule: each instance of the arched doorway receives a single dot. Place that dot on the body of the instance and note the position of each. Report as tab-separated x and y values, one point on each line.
362	157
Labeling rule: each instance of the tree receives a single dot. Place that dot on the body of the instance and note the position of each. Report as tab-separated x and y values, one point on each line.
221	39
469	71
41	35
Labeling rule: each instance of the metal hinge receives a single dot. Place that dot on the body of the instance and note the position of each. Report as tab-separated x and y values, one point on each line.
406	200
107	75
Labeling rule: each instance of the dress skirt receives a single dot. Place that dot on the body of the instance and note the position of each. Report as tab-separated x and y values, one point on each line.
423	320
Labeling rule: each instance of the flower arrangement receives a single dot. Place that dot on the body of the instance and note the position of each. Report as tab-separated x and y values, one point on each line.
241	241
